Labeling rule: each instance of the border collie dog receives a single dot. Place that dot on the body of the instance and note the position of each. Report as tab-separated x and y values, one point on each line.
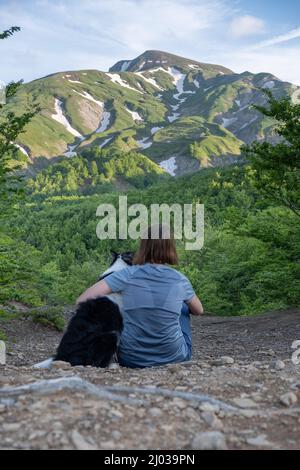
93	334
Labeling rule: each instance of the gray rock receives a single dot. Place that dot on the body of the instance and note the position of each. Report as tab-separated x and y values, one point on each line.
212	440
206	406
80	443
155	412
10	427
277	364
245	403
223	361
259	441
288	399
212	420
61	365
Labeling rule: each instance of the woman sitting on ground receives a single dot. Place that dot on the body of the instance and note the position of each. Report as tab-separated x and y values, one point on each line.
157	301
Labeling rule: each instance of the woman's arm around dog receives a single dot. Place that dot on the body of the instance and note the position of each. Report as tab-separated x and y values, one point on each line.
100	289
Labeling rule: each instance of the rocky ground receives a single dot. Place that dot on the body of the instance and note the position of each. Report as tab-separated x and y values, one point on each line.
240	391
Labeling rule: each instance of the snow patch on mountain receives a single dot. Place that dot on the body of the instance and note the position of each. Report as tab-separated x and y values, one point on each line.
125	65
22	149
61	118
169	165
196	83
269	84
143	144
248	123
149	80
70	153
173	117
104	124
155	129
105	142
141	66
75	81
227	121
178	78
89	97
135	116
115	78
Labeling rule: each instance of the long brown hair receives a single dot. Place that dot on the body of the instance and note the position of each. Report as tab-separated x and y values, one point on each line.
160	250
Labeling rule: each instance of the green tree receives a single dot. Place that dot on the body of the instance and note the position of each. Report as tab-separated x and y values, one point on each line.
11	126
276	168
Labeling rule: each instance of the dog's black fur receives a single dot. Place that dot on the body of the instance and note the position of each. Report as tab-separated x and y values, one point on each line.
93	335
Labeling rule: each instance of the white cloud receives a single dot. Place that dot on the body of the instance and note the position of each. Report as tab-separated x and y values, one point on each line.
60	35
284	65
246	25
293	34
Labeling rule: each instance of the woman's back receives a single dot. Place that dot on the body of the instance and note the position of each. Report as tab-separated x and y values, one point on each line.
153	295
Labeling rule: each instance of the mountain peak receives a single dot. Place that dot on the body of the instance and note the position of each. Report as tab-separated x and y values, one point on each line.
153	58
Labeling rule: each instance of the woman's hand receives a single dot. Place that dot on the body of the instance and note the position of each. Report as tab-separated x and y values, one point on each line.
99	289
195	306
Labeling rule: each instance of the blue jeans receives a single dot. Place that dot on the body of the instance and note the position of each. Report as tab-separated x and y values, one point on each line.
185	324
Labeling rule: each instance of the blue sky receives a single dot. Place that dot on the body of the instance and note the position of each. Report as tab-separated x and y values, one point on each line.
60	35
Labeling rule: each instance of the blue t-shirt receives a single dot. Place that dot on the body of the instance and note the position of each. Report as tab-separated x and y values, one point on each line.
153	295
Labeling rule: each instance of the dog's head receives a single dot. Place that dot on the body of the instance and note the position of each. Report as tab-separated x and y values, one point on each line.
126	256
119	261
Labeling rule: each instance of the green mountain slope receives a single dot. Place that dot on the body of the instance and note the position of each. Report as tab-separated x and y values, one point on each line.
180	113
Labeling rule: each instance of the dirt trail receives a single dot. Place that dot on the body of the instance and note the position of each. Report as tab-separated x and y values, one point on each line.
257	377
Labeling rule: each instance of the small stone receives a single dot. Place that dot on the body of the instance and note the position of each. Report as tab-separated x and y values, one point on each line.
212	420
80	443
288	399
10	427
61	365
223	361
245	403
116	413
174	368
206	406
180	403
2	408
212	440
277	364
259	441
248	413
155	412
116	434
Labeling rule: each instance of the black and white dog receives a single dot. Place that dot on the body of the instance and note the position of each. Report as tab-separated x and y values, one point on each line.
93	334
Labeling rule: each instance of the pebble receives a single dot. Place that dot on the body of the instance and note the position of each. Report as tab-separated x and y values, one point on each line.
61	365
10	427
259	441
223	361
206	406
155	412
212	440
80	443
245	403
288	399
180	403
212	420
277	364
